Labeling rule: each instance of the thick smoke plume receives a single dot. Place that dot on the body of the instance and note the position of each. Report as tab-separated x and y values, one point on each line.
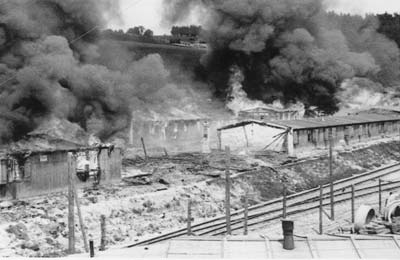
50	68
289	50
44	47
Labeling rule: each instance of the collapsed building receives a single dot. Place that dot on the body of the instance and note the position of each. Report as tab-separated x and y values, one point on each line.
177	135
196	134
33	173
305	135
41	164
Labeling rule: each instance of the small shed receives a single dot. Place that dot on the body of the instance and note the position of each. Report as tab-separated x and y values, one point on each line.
33	173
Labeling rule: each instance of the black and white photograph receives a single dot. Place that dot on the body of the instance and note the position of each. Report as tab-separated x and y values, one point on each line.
200	129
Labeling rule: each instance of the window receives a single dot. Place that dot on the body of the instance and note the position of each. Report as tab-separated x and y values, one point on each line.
381	128
357	132
312	136
365	130
309	135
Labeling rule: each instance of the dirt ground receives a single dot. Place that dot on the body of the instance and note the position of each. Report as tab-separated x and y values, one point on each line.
152	198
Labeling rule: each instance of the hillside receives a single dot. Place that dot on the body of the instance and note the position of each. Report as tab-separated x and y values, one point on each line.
174	57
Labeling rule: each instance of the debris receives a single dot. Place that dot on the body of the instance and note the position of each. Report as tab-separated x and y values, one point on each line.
92	199
162	181
30	245
138	181
214	174
19	230
375	228
6	204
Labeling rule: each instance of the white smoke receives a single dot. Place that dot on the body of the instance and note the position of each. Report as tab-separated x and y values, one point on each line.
363	94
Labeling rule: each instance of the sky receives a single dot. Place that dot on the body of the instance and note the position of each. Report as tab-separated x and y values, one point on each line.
149	12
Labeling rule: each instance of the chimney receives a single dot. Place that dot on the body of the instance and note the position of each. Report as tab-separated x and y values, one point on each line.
288	241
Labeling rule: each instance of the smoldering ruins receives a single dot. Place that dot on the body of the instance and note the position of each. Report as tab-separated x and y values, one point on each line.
286	97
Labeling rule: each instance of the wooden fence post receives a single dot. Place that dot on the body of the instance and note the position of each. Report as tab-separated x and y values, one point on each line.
352	203
91	245
331	175
78	207
144	148
246	214
219	140
284	202
321	196
228	191
103	233
71	215
189	218
380	195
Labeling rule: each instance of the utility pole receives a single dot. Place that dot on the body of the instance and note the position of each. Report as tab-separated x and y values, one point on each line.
331	174
144	148
352	203
103	233
321	209
228	191
246	214
189	218
284	202
78	207
380	195
71	215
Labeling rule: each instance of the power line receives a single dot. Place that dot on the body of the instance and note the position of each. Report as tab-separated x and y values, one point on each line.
4	82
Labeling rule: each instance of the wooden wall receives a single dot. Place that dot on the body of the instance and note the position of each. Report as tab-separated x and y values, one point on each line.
48	173
110	165
306	140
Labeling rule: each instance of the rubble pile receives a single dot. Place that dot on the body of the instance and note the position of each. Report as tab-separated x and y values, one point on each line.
382	227
375	228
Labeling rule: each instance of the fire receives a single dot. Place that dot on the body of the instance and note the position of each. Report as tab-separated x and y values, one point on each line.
239	101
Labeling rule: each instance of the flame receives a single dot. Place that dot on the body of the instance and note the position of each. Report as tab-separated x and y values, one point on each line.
239	101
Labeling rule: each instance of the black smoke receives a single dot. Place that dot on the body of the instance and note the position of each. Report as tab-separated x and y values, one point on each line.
289	50
52	65
42	70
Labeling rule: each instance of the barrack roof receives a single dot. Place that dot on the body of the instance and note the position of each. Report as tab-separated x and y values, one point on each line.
261	109
331	121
